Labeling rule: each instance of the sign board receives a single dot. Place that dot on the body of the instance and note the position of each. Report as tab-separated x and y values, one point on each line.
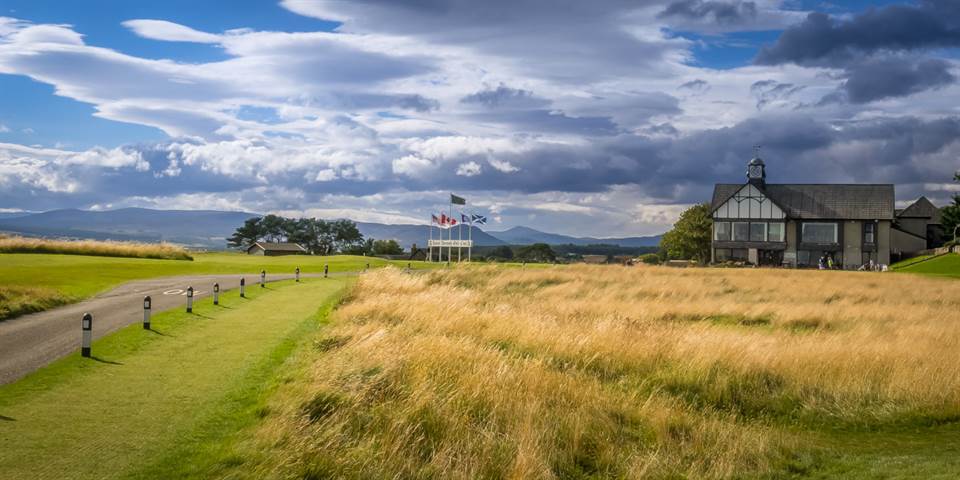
450	243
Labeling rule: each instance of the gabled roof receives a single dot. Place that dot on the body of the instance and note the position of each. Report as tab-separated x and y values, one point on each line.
922	208
279	247
821	201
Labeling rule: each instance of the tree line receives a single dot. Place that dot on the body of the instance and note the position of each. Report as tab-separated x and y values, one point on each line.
317	236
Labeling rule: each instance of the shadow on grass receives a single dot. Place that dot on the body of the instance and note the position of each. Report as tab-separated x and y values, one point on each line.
208	317
103	360
224	306
7	419
158	332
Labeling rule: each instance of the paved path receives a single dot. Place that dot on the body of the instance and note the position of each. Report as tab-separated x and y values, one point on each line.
32	341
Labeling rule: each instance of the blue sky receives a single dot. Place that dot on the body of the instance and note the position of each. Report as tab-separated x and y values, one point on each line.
551	114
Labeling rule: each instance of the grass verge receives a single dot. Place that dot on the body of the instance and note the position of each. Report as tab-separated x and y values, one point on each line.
148	396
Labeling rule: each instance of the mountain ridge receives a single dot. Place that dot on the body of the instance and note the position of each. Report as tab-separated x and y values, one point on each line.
210	228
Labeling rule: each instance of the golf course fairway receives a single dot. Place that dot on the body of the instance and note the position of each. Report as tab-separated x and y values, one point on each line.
151	402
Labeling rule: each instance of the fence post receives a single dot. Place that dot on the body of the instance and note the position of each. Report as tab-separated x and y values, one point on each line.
146	312
189	299
216	294
326	270
86	325
243	287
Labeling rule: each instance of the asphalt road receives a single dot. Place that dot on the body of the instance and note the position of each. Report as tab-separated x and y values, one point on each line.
32	341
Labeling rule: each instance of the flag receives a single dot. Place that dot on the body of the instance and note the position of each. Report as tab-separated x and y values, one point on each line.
434	220
464	218
480	219
457	200
443	220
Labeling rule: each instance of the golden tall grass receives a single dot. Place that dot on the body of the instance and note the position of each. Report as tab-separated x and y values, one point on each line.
93	247
576	372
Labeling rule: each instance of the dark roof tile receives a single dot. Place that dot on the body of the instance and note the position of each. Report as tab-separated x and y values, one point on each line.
822	201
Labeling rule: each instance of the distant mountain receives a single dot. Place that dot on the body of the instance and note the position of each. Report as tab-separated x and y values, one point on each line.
210	229
197	228
407	235
526	235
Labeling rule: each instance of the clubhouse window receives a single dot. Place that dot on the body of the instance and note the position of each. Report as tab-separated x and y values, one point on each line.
819	233
741	231
775	232
721	231
758	232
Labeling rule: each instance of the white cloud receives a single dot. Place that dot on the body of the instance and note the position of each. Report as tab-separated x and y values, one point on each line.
4	128
169	31
469	169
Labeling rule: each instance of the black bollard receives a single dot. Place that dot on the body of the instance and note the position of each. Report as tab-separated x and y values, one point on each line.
86	324
146	312
243	287
297	273
216	294
263	278
326	270
189	299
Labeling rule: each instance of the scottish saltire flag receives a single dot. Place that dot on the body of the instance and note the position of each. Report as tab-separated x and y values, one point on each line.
479	219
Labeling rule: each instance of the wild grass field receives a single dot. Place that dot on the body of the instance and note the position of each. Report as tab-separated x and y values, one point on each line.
35	282
165	251
616	372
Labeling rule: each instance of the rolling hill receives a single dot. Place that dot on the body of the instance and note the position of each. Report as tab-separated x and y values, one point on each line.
526	235
209	229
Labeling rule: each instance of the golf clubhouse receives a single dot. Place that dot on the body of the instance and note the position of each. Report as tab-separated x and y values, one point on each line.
798	225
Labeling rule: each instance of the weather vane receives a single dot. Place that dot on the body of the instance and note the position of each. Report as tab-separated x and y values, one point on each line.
756	150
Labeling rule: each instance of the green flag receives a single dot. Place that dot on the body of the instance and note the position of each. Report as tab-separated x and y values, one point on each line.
457	200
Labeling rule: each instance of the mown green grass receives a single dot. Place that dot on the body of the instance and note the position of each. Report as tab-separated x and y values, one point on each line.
158	404
59	279
943	266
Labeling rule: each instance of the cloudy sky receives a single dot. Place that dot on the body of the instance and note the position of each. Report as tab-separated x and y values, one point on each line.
605	117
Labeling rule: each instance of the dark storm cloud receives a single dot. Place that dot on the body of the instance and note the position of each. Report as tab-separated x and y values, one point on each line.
723	12
894	77
504	96
825	40
879	51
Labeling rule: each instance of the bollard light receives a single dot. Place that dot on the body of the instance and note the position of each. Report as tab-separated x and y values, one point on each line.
326	270
86	325
243	287
189	299
146	312
298	274
216	294
263	278
368	267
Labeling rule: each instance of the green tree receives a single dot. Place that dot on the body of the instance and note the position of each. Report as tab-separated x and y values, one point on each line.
537	253
246	235
690	237
951	213
387	247
347	236
502	252
272	228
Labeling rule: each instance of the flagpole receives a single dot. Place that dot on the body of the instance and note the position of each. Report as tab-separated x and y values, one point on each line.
429	242
470	239
460	237
450	232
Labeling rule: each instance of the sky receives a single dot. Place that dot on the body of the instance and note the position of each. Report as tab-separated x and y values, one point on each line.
602	118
